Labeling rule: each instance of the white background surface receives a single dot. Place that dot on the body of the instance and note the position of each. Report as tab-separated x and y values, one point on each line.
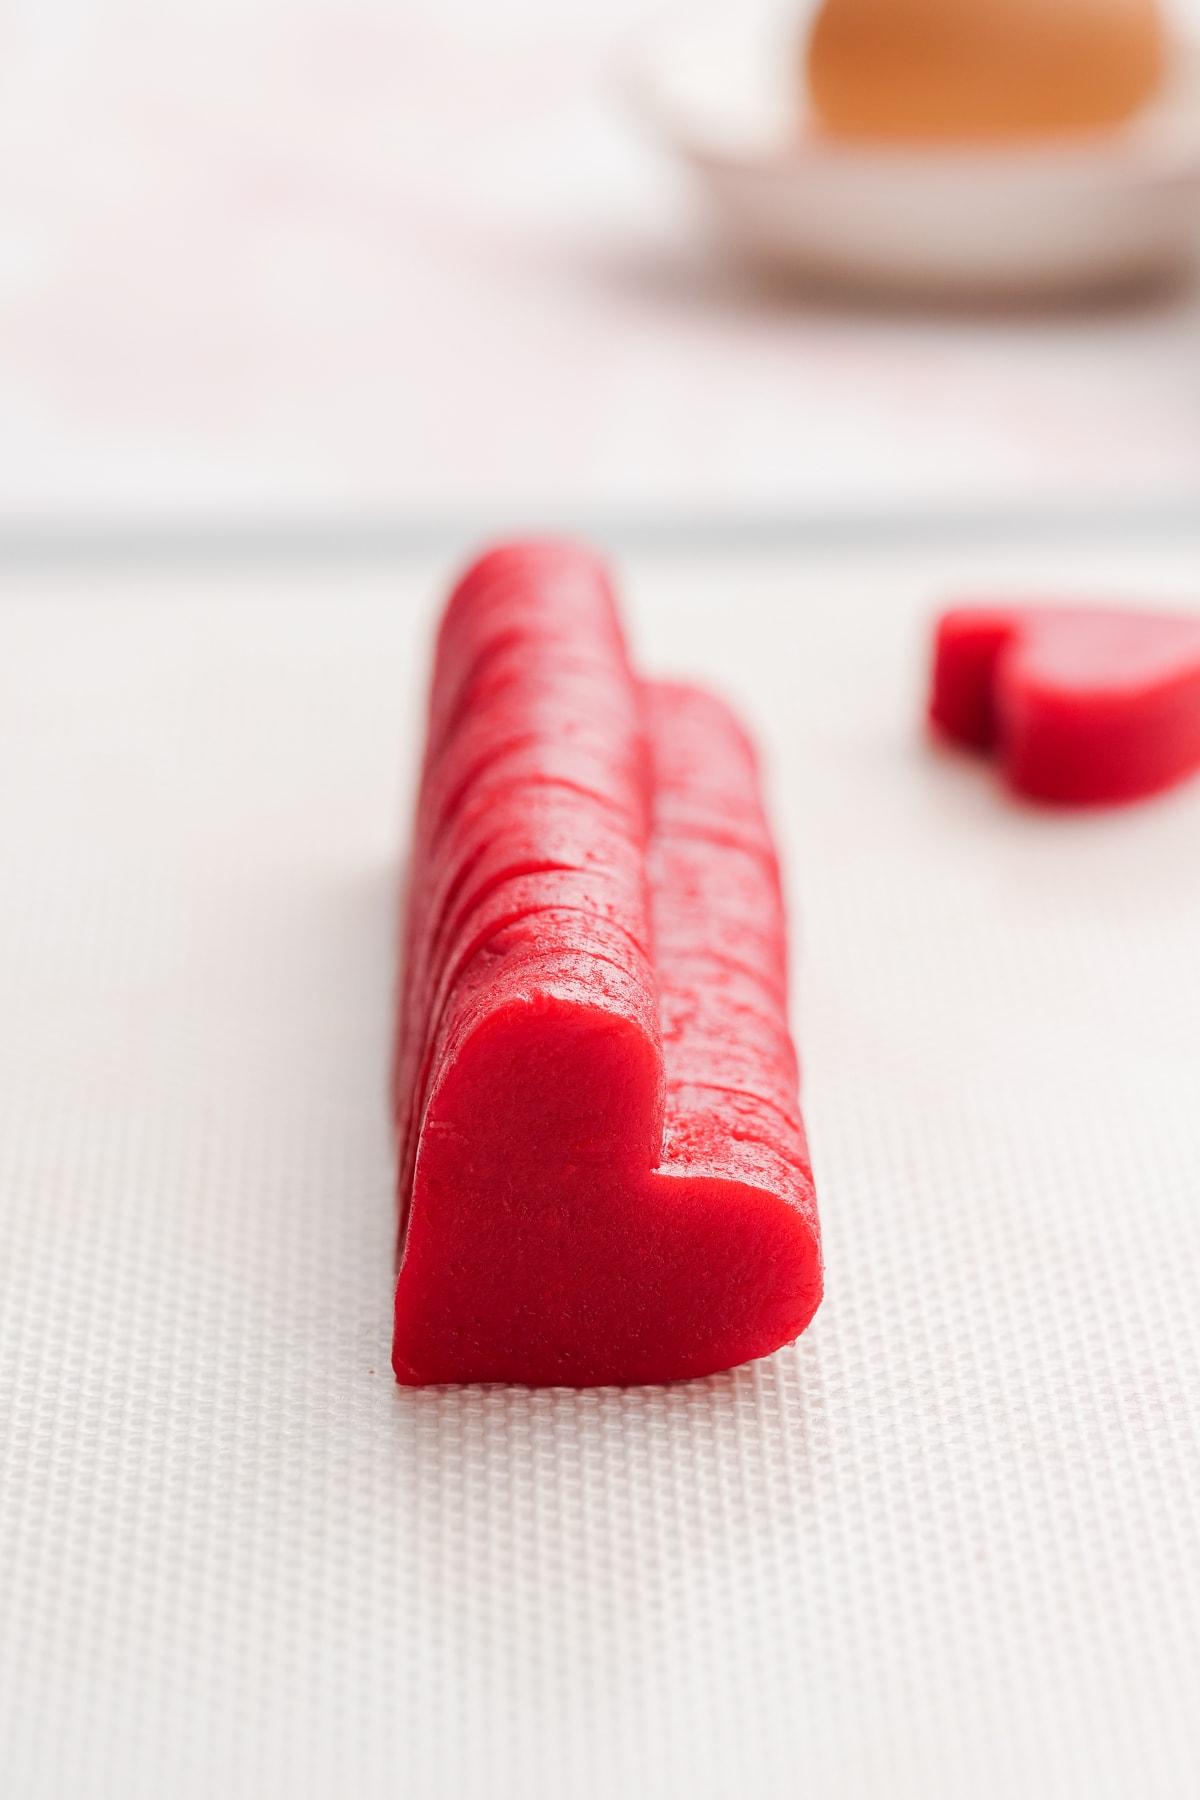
413	258
946	1546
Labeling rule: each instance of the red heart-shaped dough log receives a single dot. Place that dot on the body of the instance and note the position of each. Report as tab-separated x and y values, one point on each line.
603	1170
1080	706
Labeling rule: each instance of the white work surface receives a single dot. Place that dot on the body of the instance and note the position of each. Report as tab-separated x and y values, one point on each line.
340	258
946	1546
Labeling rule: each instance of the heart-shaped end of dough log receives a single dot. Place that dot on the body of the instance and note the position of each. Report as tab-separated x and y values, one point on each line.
604	1175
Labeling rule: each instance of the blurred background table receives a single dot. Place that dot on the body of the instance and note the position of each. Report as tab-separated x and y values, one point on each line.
410	265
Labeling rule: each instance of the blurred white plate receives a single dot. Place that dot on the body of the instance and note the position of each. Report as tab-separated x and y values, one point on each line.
1047	218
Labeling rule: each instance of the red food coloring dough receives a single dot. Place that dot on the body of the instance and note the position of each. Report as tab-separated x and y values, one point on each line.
603	1170
1079	706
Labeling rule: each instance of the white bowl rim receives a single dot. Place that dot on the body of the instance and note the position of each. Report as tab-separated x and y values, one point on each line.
1160	145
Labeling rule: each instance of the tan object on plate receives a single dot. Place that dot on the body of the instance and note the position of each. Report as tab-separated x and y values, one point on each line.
914	70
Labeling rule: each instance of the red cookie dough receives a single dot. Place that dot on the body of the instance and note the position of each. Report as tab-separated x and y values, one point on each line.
1079	705
603	1169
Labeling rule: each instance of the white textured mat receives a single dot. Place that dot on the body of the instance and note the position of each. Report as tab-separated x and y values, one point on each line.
947	1546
